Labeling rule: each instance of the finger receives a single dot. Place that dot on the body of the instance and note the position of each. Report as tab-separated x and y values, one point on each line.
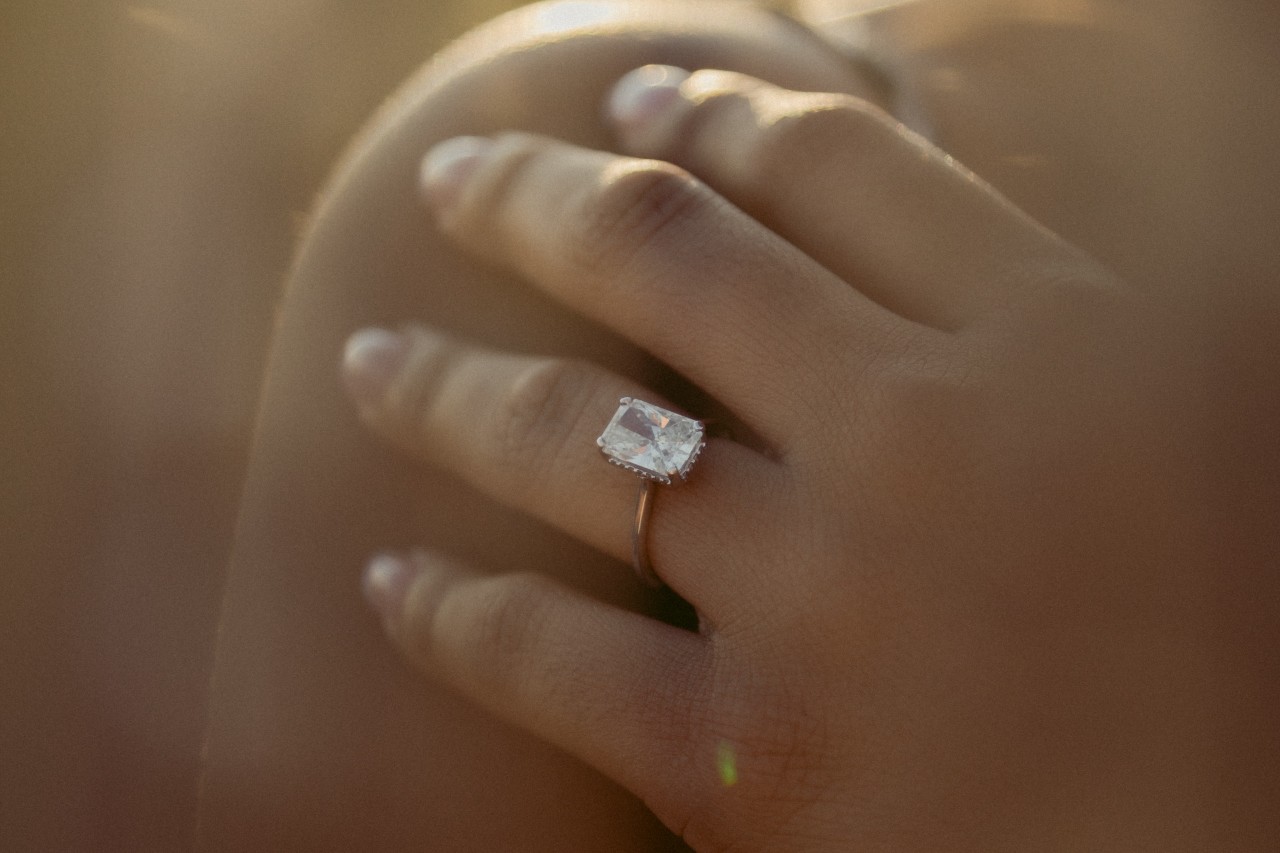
524	429
846	183
622	692
654	254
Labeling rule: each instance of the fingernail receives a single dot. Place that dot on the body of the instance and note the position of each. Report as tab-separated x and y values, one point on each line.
385	584
644	94
448	166
371	360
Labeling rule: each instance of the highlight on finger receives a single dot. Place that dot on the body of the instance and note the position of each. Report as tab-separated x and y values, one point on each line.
654	254
872	201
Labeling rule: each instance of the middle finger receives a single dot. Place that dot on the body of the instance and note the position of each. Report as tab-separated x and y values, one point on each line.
649	251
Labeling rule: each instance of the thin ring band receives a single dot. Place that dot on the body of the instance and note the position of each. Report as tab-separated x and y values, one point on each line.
640	534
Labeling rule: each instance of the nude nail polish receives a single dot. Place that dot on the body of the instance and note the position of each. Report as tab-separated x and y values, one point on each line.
447	167
644	94
385	584
370	362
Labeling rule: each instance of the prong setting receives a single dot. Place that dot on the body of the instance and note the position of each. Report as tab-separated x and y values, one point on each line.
652	442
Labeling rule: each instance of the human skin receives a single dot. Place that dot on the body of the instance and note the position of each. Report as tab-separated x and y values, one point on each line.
970	604
950	630
319	739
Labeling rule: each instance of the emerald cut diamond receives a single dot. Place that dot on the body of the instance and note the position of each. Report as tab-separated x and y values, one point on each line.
652	442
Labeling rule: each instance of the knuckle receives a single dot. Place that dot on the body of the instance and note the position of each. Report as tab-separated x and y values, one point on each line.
636	205
872	371
721	100
924	411
538	416
413	397
819	129
507	628
932	398
514	154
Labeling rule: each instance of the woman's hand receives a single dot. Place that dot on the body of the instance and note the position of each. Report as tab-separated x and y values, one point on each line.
950	570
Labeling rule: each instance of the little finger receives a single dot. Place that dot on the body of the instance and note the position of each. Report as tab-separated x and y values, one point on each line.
622	692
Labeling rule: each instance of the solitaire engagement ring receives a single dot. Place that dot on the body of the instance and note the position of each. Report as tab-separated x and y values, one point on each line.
658	446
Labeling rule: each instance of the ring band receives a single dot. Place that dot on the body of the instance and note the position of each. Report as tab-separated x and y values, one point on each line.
657	445
640	535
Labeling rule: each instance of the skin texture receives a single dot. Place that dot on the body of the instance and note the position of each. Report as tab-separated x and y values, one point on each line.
978	602
318	739
952	510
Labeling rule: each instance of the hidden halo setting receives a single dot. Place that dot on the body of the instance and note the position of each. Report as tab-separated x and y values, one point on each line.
652	442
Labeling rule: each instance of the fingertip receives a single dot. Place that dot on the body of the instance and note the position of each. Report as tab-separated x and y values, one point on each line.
446	169
644	93
642	98
385	584
370	362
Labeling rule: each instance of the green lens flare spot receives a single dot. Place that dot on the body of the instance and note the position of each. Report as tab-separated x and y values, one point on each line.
727	764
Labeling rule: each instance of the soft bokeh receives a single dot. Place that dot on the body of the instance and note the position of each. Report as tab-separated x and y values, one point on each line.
157	162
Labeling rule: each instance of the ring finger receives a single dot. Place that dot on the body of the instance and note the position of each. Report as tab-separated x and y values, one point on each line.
523	429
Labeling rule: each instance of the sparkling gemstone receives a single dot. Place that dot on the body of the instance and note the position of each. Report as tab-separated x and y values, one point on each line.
650	441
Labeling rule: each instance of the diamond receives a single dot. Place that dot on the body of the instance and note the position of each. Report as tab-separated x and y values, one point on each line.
651	441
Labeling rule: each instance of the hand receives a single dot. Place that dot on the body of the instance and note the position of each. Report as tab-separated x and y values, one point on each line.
949	568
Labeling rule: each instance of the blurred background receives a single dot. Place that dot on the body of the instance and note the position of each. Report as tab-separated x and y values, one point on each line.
157	163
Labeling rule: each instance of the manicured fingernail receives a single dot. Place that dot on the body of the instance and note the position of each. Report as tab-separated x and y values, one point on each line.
644	94
447	167
386	582
371	360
